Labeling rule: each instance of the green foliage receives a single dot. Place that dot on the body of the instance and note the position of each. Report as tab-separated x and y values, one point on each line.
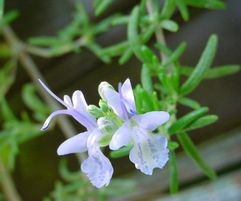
204	63
15	132
215	72
33	102
1	8
121	152
173	172
187	119
8	18
161	86
210	4
202	122
76	188
193	153
7	76
100	6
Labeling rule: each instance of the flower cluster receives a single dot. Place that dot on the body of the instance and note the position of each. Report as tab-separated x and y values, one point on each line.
117	127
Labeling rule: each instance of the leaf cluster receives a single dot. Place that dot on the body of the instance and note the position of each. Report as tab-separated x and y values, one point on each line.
75	187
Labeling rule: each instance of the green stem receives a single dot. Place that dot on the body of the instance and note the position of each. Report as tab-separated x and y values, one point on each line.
31	68
158	32
48	52
7	184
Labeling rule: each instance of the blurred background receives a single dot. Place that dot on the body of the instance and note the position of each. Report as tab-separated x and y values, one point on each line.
37	162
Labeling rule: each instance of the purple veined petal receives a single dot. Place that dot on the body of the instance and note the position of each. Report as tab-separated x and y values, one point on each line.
97	167
121	137
52	94
75	144
149	151
51	116
152	120
113	99
127	96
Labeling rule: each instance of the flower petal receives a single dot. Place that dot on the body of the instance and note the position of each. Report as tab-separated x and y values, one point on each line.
113	99
121	137
79	101
128	96
80	105
97	167
149	151
51	116
68	101
75	144
152	120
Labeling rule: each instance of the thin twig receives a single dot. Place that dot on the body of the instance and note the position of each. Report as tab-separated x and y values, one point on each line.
31	68
158	32
7	184
48	52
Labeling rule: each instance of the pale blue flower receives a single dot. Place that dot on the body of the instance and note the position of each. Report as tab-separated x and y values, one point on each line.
149	150
97	167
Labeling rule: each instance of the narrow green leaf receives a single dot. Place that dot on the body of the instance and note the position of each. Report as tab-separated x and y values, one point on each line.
172	145
116	49
202	122
126	56
102	6
169	25
186	120
168	9
120	20
163	48
8	18
97	50
7	76
8	152
132	29
138	98
146	79
121	152
189	103
204	63
176	54
173	172
143	7
44	41
144	100
105	24
215	72
183	9
6	111
146	55
1	8
193	153
222	71
210	4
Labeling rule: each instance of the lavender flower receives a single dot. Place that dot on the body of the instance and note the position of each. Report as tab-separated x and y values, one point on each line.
97	167
149	150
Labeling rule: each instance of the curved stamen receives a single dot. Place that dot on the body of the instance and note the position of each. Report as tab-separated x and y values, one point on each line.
52	94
